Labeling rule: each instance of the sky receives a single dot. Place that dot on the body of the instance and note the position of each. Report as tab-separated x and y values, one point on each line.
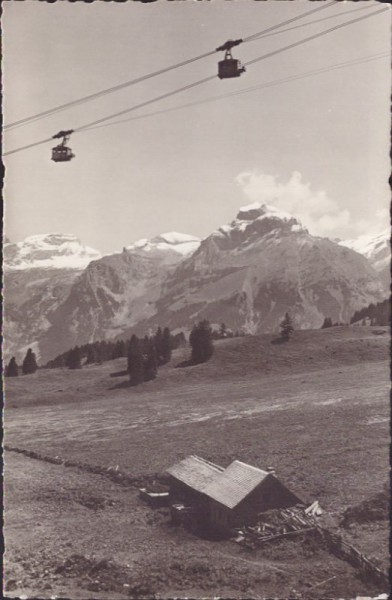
316	146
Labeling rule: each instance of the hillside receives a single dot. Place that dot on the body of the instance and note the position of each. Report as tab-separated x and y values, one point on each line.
316	408
234	359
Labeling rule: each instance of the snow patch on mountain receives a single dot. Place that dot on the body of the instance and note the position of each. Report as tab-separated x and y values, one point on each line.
369	245
48	251
172	246
262	211
376	248
255	220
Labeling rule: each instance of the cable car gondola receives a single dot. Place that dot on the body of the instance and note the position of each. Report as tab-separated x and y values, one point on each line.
229	66
62	153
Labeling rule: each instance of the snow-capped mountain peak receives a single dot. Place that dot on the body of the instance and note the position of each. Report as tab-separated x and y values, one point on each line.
169	247
376	248
48	251
262	211
368	245
255	221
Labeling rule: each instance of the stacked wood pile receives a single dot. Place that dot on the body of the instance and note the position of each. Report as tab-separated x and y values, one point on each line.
275	524
290	522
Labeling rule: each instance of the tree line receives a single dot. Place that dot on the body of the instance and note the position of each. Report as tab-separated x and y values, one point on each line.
29	365
105	350
144	355
378	314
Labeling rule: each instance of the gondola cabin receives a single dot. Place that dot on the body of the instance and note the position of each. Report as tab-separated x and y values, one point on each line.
230	67
62	153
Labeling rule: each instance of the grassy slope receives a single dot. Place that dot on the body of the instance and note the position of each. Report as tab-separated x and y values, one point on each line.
316	408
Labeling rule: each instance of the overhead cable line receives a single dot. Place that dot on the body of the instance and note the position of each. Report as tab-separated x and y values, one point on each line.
141	105
316	35
121	86
110	90
263	57
314	22
27	147
201	81
265	85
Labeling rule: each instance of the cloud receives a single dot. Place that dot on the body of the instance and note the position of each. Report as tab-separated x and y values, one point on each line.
319	213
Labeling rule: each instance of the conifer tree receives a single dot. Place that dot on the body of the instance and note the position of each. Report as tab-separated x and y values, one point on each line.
166	346
150	363
178	340
29	363
327	323
92	354
119	349
12	368
286	327
145	343
135	362
200	340
223	331
158	337
74	359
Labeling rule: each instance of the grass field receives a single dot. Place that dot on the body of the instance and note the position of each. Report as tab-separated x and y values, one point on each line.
316	408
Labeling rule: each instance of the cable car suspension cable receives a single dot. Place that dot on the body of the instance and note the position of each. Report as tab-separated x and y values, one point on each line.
184	88
263	57
121	86
265	85
347	12
316	35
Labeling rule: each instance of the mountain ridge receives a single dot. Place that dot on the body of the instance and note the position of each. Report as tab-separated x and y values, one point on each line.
247	273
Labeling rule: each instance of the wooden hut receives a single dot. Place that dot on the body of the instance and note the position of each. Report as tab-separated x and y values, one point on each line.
227	498
241	492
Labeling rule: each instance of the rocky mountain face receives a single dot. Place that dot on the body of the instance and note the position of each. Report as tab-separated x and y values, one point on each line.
249	273
246	274
377	249
38	274
77	306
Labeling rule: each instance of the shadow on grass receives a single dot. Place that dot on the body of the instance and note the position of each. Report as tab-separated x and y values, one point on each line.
280	340
122	385
184	363
119	373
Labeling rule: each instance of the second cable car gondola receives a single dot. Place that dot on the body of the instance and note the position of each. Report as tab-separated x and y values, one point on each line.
62	153
229	66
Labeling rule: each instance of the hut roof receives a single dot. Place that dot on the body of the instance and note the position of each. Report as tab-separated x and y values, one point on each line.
234	483
195	472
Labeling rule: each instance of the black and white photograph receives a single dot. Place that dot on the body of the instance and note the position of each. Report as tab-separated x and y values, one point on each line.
196	299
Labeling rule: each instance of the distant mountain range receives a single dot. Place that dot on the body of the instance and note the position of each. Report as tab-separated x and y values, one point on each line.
247	274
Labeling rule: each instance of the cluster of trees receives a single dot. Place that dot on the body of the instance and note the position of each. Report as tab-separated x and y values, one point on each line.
102	351
143	356
328	323
379	314
29	365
